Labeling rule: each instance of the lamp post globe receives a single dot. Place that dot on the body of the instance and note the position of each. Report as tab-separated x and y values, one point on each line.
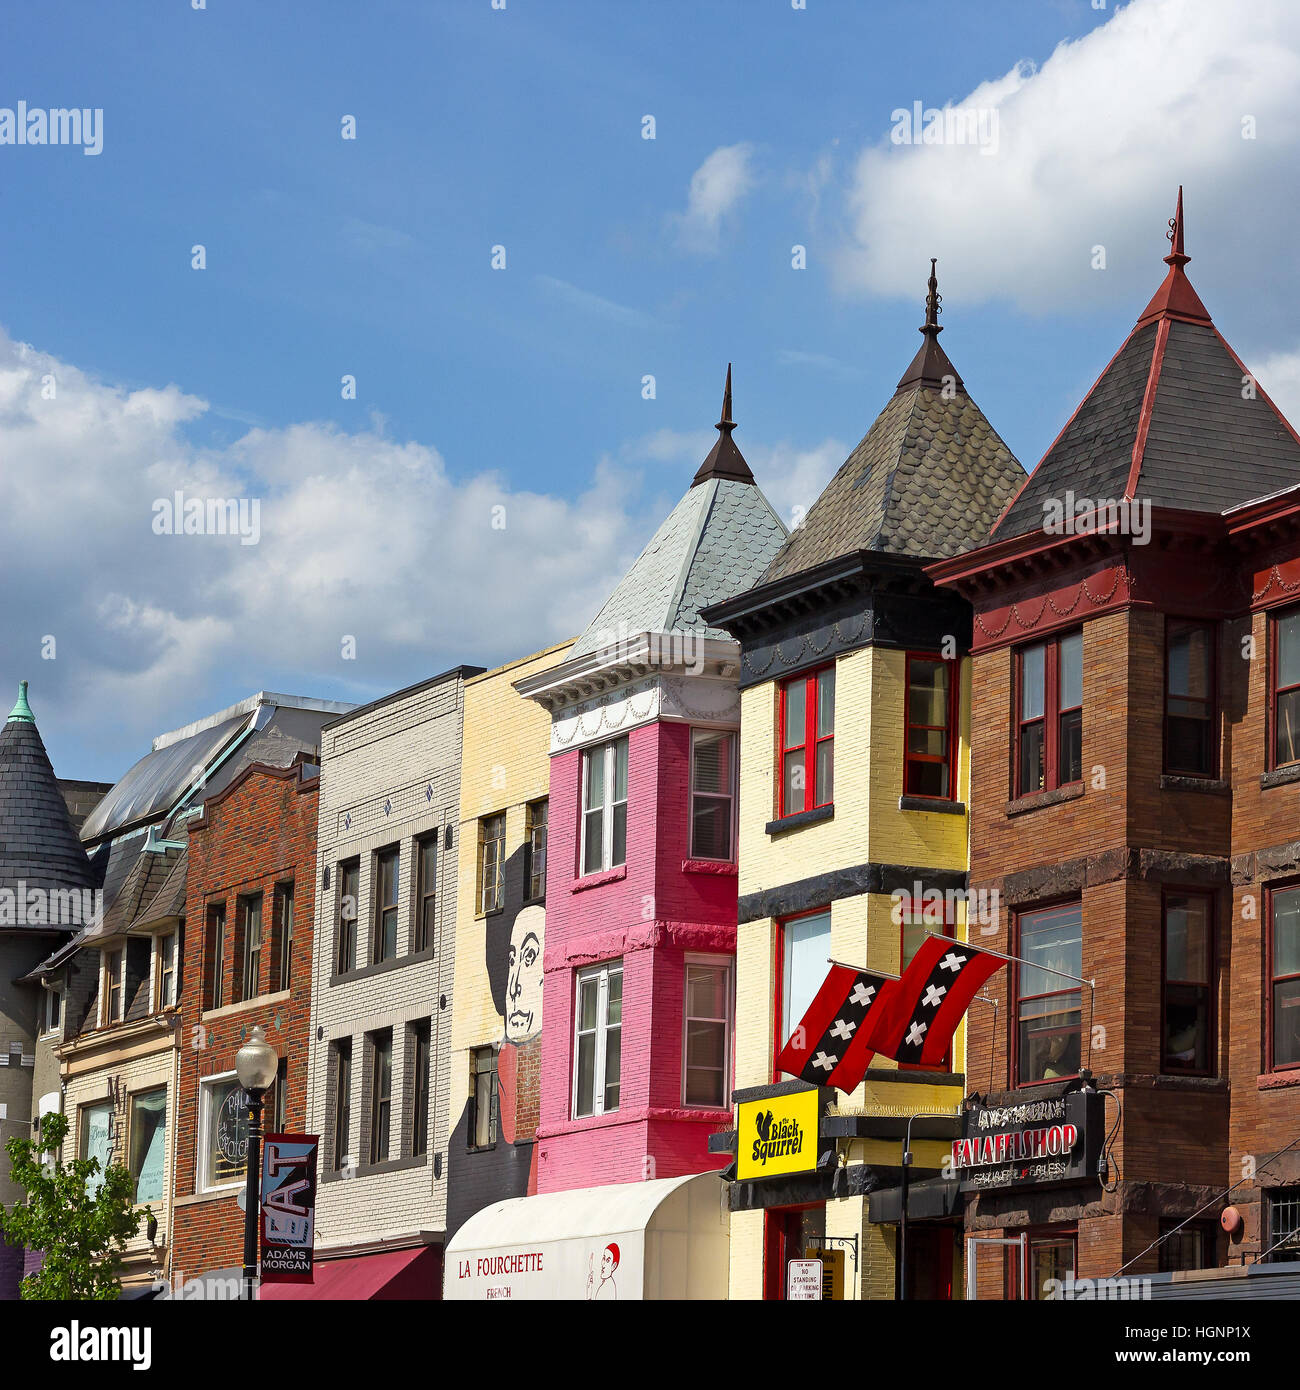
256	1061
256	1064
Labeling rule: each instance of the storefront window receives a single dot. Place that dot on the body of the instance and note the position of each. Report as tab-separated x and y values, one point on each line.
789	1234
97	1140
148	1140
1284	1225
1052	1259
1189	1246
225	1127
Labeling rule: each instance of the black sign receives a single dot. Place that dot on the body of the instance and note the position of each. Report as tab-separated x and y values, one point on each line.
1053	1140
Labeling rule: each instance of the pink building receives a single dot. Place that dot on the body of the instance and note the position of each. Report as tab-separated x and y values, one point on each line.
641	905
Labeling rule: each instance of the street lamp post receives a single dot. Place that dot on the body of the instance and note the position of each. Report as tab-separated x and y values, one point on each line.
255	1065
900	1288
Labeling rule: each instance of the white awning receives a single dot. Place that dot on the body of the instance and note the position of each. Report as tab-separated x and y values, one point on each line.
655	1240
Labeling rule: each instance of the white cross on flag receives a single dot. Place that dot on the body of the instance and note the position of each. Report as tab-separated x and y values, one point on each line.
925	1006
828	1047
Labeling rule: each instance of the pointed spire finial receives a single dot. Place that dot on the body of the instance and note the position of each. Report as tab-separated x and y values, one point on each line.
932	303
22	711
1175	235
726	424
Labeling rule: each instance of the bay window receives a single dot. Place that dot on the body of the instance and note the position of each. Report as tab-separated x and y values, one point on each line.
806	720
930	738
1191	745
598	1040
1049	714
1285	688
604	806
1187	1000
713	794
1048	1005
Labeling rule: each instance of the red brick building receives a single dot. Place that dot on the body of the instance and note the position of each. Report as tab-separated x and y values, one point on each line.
250	904
1135	765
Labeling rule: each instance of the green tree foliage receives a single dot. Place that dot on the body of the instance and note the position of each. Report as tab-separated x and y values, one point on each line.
82	1227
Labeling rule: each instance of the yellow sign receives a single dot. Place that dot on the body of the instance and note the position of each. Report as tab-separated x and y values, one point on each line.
832	1272
777	1135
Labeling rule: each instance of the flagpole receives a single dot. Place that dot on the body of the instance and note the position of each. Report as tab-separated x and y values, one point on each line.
1015	960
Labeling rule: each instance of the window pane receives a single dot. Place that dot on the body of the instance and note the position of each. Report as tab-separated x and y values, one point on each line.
1288	728
1187	939
1288	648
1071	750
148	1141
620	770
825	788
1189	662
595	777
711	827
927	779
95	1141
619	853
615	997
588	998
1032	668
1286	932
583	1101
706	991
613	1051
1053	938
1187	1028
826	702
806	945
712	761
1050	1260
796	712
1032	767
793	785
593	836
1071	675
932	742
927	696
1049	1037
227	1131
1286	1023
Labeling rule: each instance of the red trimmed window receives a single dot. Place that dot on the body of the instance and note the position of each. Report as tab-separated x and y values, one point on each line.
1283	1040
930	746
918	917
807	735
803	945
1048	1005
1191	748
1284	687
1049	714
1187	1001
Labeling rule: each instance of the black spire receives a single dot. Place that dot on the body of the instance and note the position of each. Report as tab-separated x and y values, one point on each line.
725	460
931	366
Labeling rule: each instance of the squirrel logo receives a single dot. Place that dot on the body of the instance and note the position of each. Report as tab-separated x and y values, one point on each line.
763	1123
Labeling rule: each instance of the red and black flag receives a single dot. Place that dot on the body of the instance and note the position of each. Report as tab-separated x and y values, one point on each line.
829	1047
916	1022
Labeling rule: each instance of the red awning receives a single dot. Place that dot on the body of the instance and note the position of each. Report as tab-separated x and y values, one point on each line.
392	1274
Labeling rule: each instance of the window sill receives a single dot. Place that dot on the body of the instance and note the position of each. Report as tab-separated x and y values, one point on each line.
596	880
364	972
1210	786
726	867
932	803
491	912
799	819
256	1002
1278	1080
480	1148
1280	776
1036	800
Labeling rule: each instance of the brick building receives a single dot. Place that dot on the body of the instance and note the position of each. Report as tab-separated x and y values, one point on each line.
249	903
855	708
380	1082
1136	652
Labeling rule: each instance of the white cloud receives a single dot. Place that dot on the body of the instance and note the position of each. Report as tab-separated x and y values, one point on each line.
792	478
717	187
1090	149
595	304
1279	375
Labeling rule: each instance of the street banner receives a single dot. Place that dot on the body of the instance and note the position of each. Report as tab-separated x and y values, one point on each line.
288	1207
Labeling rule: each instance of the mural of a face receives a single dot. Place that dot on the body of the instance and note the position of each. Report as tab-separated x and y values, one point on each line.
523	1011
608	1261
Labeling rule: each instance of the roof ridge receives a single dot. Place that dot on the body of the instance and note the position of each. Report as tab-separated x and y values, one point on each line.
1148	406
894	467
691	549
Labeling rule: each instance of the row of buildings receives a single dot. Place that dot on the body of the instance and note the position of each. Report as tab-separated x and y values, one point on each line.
528	940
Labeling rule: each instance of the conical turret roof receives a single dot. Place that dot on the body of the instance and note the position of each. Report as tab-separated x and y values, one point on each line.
927	479
1175	418
38	846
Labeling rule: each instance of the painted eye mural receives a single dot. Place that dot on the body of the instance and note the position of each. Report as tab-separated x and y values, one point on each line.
491	1154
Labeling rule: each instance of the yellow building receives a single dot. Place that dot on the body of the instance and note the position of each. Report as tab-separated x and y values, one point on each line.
854	778
500	934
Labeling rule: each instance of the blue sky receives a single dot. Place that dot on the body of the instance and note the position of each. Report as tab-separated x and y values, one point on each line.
625	257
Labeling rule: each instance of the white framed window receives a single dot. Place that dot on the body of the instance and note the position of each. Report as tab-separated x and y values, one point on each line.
713	794
98	1123
706	1027
53	1003
223	1132
165	973
114	971
598	1039
604	806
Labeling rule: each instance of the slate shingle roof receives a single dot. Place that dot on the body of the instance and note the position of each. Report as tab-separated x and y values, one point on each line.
37	842
1166	421
716	542
928	479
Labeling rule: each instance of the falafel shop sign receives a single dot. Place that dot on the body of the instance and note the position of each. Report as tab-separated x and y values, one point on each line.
1057	1139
